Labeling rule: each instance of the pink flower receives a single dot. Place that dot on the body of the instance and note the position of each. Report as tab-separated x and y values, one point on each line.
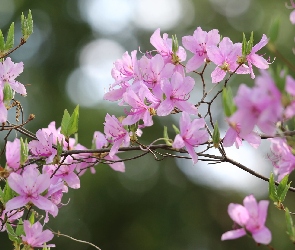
64	172
197	44
251	217
282	158
30	186
292	14
225	57
35	237
100	141
255	59
124	69
43	146
260	105
177	95
12	153
233	136
139	108
191	135
8	72
115	133
164	47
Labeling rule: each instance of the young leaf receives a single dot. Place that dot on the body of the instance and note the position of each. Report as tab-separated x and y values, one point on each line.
274	30
27	25
290	227
175	45
10	38
244	45
166	137
73	122
65	123
272	191
228	102
20	228
11	234
283	188
8	94
32	218
175	129
2	43
24	149
8	193
216	136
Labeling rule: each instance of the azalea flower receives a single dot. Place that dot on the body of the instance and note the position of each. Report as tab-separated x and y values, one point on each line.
256	60
30	186
35	237
251	218
192	134
198	44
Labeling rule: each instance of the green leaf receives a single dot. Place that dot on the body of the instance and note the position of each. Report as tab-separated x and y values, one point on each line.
20	228
229	106
8	93
175	45
60	147
10	38
65	123
290	227
272	191
175	129
1	194
27	25
8	193
32	218
24	150
244	45
69	123
11	234
166	137
274	30
2	42
73	123
216	136
250	43
283	188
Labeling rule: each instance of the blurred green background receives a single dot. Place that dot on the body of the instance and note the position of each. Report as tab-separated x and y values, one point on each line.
154	205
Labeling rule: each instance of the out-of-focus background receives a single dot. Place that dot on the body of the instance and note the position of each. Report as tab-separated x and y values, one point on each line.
154	205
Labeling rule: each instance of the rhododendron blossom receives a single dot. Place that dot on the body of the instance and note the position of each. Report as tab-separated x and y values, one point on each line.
177	95
30	186
225	57
198	44
115	134
283	158
256	60
251	217
192	134
35	237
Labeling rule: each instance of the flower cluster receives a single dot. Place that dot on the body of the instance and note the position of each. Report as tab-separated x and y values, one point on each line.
40	172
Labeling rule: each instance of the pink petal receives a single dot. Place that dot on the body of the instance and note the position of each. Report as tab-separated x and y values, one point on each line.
194	63
16	183
45	204
234	234
117	166
191	151
165	107
230	138
262	236
16	202
178	142
217	75
238	213
292	17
